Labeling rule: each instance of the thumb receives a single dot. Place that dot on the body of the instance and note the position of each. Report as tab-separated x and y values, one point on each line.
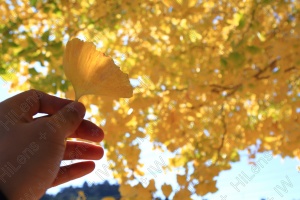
68	118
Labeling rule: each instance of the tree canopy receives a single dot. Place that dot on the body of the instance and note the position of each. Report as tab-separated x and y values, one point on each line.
211	77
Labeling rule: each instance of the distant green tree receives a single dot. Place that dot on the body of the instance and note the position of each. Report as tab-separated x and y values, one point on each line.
93	192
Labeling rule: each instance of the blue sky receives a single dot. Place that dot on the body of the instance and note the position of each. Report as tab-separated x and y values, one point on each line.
273	178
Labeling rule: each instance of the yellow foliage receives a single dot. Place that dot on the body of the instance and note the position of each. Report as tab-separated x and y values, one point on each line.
127	191
182	194
200	72
201	188
81	196
108	198
134	193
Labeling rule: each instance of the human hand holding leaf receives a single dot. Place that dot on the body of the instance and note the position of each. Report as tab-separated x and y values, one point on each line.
91	72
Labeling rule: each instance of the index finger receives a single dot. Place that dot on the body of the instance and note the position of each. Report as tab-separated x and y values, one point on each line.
31	102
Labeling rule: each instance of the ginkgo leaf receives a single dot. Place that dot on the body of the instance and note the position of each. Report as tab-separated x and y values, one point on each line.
151	185
181	179
127	191
166	189
91	72
182	194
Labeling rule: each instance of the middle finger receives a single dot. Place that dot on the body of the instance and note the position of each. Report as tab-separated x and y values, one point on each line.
88	131
82	150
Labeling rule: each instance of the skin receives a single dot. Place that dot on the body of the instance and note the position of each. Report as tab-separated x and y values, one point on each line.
32	149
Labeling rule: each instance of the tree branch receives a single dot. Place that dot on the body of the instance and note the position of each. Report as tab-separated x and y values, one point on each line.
224	133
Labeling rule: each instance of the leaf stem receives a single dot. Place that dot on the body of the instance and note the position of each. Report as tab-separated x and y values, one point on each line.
76	96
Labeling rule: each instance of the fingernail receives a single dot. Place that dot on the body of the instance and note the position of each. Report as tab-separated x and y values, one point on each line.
79	107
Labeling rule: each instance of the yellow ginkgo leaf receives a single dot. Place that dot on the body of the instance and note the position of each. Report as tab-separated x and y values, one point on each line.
181	179
91	72
182	194
151	185
166	189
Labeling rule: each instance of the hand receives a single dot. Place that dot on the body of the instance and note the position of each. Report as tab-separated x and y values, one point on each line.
31	149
